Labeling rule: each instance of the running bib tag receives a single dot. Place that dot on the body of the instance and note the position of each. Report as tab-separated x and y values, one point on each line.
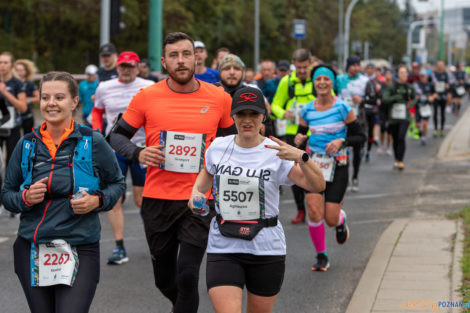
354	107
327	165
440	86
184	152
425	110
460	90
399	111
239	198
53	263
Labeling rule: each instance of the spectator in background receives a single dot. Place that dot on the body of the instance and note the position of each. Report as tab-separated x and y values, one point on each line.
270	87
249	76
268	71
203	72
144	67
25	71
86	89
108	56
219	55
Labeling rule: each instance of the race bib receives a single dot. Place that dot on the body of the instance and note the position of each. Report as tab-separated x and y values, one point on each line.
11	123
53	263
327	165
398	111
184	152
354	107
440	86
280	127
460	90
425	110
239	198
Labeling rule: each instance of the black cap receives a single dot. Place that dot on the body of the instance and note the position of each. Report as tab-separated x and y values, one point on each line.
248	98
352	60
146	61
283	65
107	49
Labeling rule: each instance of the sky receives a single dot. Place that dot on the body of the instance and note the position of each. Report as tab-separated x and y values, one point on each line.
433	5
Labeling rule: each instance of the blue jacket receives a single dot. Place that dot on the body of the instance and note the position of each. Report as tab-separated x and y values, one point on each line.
54	218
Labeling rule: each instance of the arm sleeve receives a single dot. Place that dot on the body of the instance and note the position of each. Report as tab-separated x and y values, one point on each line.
11	195
389	97
355	135
112	182
226	120
280	98
120	139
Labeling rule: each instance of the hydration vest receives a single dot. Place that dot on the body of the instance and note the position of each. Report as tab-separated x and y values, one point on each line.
82	165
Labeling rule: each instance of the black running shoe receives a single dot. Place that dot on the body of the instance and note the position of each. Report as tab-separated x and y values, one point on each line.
323	263
342	231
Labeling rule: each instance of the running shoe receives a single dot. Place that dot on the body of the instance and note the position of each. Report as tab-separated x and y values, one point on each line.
389	152
355	185
300	218
395	165
380	150
435	133
323	263
423	141
342	231
401	166
119	256
442	133
367	157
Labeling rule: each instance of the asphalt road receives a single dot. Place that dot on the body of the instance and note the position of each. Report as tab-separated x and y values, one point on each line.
426	187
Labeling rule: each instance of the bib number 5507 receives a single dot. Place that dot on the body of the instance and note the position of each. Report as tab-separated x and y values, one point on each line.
235	196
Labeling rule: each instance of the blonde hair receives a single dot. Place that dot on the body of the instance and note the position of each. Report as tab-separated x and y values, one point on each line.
29	67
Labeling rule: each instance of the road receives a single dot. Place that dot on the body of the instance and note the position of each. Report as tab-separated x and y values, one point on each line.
426	187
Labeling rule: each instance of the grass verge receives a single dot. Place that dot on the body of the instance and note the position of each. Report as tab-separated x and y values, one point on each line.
465	262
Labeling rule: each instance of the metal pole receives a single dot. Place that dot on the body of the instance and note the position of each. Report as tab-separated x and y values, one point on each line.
413	25
346	30
105	21
441	35
256	59
299	43
340	32
155	34
449	51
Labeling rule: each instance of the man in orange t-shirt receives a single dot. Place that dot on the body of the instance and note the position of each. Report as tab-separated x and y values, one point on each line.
180	116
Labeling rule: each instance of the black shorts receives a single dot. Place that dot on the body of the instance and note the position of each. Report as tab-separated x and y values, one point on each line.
168	222
335	190
262	274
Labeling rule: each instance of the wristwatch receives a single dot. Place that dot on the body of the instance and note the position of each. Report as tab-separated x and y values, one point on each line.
305	157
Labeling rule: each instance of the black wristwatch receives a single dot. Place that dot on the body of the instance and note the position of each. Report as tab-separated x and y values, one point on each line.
305	157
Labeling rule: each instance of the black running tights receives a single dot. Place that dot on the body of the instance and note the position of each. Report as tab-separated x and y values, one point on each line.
177	276
370	121
398	132
439	107
60	298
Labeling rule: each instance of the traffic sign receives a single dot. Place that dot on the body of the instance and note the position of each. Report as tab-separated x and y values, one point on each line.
300	29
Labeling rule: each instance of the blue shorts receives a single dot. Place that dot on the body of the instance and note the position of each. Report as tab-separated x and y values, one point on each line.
138	171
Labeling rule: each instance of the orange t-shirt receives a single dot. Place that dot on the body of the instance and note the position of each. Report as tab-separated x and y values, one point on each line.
158	108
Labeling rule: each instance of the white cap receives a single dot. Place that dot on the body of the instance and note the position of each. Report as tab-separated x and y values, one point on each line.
452	68
91	69
199	44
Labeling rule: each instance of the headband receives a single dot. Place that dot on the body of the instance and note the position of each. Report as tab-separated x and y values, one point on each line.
324	71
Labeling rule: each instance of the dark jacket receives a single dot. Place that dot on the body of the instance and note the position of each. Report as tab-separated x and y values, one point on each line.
54	218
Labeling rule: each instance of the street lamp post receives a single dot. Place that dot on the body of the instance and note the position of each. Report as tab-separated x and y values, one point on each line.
346	30
256	56
413	25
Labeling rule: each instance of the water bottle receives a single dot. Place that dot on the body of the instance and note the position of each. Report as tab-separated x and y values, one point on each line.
200	203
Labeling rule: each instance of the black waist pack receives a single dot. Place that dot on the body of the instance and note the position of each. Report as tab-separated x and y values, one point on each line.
246	230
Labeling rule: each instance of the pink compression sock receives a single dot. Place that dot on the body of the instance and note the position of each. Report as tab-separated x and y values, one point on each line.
317	233
341	218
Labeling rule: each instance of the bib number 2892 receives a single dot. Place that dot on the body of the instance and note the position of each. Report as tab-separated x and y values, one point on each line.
184	152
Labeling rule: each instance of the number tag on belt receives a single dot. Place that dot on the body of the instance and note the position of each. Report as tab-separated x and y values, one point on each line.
184	152
425	110
399	111
327	165
460	90
53	263
239	198
440	86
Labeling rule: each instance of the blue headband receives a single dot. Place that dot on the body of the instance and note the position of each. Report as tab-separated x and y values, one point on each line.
324	71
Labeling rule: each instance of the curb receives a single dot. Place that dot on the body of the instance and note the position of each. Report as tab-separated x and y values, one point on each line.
363	299
456	268
450	146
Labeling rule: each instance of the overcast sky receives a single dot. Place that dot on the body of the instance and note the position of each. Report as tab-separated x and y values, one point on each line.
433	5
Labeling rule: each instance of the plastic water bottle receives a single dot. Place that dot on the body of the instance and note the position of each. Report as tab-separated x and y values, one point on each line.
200	203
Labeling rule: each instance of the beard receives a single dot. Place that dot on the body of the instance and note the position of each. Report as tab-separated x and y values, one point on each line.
181	78
230	83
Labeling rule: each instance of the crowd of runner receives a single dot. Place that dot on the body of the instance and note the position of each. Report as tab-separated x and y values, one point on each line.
208	149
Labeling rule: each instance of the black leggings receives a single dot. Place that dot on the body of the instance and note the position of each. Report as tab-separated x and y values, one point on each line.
370	121
60	298
356	160
11	138
299	192
177	275
439	106
398	132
